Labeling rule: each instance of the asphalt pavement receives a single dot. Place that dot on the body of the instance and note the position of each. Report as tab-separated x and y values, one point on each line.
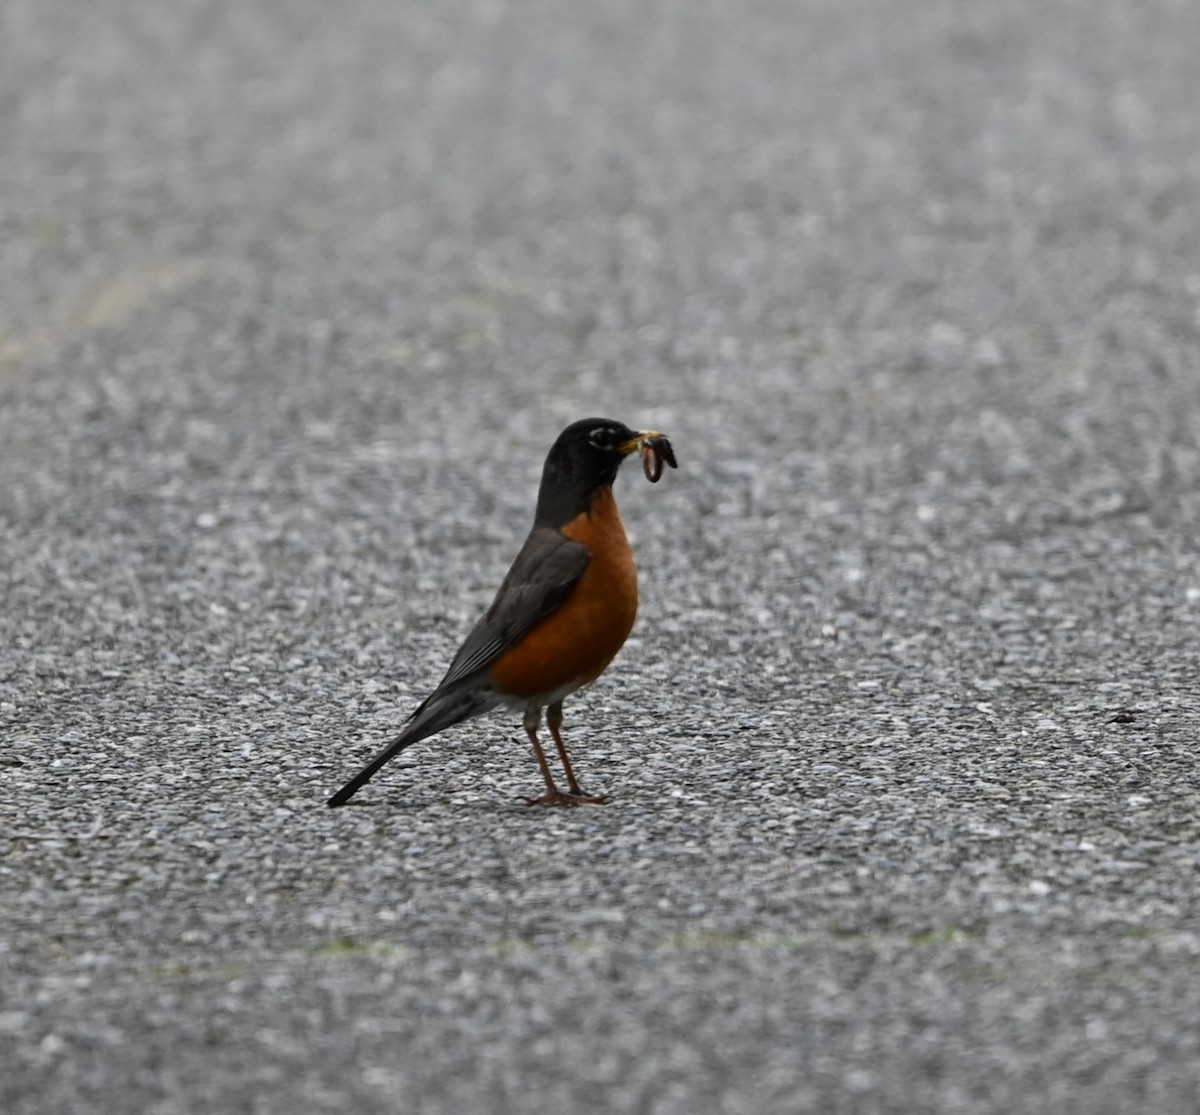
903	751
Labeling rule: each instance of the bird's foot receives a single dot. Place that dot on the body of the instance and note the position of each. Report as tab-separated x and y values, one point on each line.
557	797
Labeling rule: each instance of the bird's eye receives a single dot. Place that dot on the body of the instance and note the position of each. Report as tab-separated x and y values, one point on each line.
602	438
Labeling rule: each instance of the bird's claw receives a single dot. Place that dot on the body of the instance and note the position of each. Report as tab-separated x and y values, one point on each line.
560	798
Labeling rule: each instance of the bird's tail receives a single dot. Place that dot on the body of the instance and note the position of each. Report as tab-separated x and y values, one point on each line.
439	711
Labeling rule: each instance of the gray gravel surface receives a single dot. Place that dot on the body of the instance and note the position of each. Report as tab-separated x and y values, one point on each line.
294	297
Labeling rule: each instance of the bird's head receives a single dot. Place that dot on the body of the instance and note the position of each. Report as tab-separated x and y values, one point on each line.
584	458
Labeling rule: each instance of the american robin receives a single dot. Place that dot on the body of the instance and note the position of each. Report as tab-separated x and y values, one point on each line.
562	613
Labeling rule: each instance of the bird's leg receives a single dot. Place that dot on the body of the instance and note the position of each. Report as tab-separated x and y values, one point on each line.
553	795
533	717
554	719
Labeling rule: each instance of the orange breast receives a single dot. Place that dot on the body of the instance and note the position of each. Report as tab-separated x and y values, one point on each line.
572	646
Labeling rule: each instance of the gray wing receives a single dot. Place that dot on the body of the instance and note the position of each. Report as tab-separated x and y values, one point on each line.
544	574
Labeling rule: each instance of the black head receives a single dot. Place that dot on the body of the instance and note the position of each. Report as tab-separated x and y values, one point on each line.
585	458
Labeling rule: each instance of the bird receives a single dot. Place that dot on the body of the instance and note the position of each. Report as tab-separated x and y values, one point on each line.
561	614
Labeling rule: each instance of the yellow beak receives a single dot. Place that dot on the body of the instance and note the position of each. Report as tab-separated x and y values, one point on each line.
635	443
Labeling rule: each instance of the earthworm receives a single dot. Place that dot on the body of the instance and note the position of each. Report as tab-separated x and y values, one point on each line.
656	451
